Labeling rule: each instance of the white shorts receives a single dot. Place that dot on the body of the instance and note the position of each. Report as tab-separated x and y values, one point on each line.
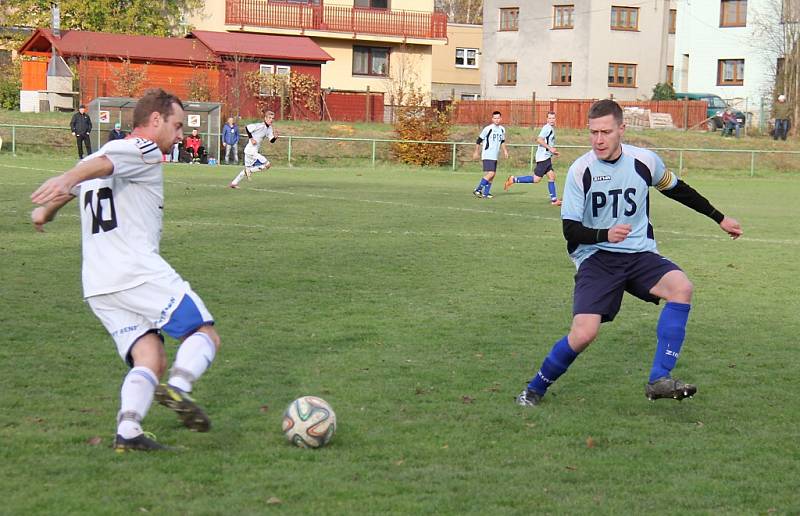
255	161
168	304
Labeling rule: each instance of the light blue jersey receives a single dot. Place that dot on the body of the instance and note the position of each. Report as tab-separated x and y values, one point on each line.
491	137
548	133
599	194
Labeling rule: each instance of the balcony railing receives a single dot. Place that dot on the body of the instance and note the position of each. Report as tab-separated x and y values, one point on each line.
335	18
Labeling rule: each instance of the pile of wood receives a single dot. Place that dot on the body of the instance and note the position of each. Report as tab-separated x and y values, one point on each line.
639	118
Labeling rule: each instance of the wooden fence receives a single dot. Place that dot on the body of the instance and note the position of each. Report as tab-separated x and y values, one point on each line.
569	113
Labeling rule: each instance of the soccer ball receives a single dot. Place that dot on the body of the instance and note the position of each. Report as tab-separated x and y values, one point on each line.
309	422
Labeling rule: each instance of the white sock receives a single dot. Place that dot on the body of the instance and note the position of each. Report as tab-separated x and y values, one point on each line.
136	395
238	178
194	357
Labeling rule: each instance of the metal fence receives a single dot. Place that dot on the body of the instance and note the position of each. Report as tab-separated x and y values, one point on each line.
346	151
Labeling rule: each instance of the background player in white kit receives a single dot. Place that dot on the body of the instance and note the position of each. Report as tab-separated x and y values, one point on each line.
134	292
253	161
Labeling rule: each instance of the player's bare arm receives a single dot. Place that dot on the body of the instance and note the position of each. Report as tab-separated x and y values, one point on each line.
58	187
541	141
41	215
505	150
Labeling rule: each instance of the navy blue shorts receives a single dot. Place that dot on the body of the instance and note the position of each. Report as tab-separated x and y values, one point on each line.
605	276
543	167
490	165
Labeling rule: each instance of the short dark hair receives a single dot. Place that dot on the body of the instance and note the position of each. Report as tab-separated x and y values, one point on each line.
606	107
154	100
551	113
497	113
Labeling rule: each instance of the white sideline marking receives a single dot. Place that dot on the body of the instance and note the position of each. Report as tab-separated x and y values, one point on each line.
679	234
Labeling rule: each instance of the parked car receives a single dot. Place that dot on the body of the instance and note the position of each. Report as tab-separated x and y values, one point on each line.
716	106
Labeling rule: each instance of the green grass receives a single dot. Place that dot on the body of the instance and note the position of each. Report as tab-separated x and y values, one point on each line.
418	312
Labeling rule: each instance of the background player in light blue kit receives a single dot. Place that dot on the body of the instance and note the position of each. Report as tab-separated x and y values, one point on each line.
609	237
545	151
488	144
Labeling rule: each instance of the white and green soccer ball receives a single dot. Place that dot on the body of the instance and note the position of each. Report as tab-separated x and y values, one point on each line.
309	422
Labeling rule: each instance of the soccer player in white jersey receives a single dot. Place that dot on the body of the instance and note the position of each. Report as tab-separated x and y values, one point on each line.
609	237
134	292
545	151
488	144
253	161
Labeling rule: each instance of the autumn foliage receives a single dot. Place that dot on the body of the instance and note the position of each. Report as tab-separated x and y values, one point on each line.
420	123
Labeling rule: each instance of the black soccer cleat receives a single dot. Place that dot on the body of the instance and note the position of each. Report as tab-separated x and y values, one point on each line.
139	443
528	398
667	387
191	415
477	194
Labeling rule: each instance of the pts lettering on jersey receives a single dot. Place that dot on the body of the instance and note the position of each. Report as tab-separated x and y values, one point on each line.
616	200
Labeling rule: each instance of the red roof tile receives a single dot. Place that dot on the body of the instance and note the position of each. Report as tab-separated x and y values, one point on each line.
268	46
102	44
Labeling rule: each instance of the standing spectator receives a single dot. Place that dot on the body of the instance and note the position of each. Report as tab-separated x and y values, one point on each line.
781	111
194	146
230	140
116	133
81	127
489	143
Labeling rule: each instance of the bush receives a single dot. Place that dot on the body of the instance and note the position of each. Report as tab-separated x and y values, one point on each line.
10	84
663	91
420	123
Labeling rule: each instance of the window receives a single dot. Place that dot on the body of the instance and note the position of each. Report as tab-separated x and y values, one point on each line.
371	61
467	57
374	4
670	73
624	18
562	74
730	72
470	96
272	86
507	74
509	18
673	17
622	75
562	16
733	13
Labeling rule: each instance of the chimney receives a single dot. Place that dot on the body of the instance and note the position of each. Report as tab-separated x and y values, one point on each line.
55	11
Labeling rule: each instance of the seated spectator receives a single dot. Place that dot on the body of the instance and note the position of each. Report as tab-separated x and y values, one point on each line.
194	146
729	123
116	133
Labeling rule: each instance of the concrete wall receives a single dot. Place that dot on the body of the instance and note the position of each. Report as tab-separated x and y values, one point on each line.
590	46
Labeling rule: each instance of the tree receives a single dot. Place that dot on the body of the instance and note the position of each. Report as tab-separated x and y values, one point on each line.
777	22
663	91
148	17
462	11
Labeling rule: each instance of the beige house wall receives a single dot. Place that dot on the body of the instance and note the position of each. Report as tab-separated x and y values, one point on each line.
444	57
590	46
408	62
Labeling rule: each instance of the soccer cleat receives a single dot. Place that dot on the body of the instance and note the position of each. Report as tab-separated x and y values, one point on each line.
233	185
477	194
142	442
555	202
488	196
666	387
528	398
508	183
189	412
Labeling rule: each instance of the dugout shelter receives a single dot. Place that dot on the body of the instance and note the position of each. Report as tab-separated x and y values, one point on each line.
203	116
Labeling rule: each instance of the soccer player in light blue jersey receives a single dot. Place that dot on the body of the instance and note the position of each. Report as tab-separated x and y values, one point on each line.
545	151
489	143
607	226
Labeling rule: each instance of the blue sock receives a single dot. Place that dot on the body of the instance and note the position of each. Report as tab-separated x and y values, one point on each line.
551	185
554	365
670	331
481	185
524	179
486	188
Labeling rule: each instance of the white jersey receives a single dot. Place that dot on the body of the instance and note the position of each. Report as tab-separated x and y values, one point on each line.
259	131
490	139
548	134
121	218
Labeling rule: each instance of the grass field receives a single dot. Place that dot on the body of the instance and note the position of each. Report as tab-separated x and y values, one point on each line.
418	312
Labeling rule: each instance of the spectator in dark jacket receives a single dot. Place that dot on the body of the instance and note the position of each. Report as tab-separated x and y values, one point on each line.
81	127
116	133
